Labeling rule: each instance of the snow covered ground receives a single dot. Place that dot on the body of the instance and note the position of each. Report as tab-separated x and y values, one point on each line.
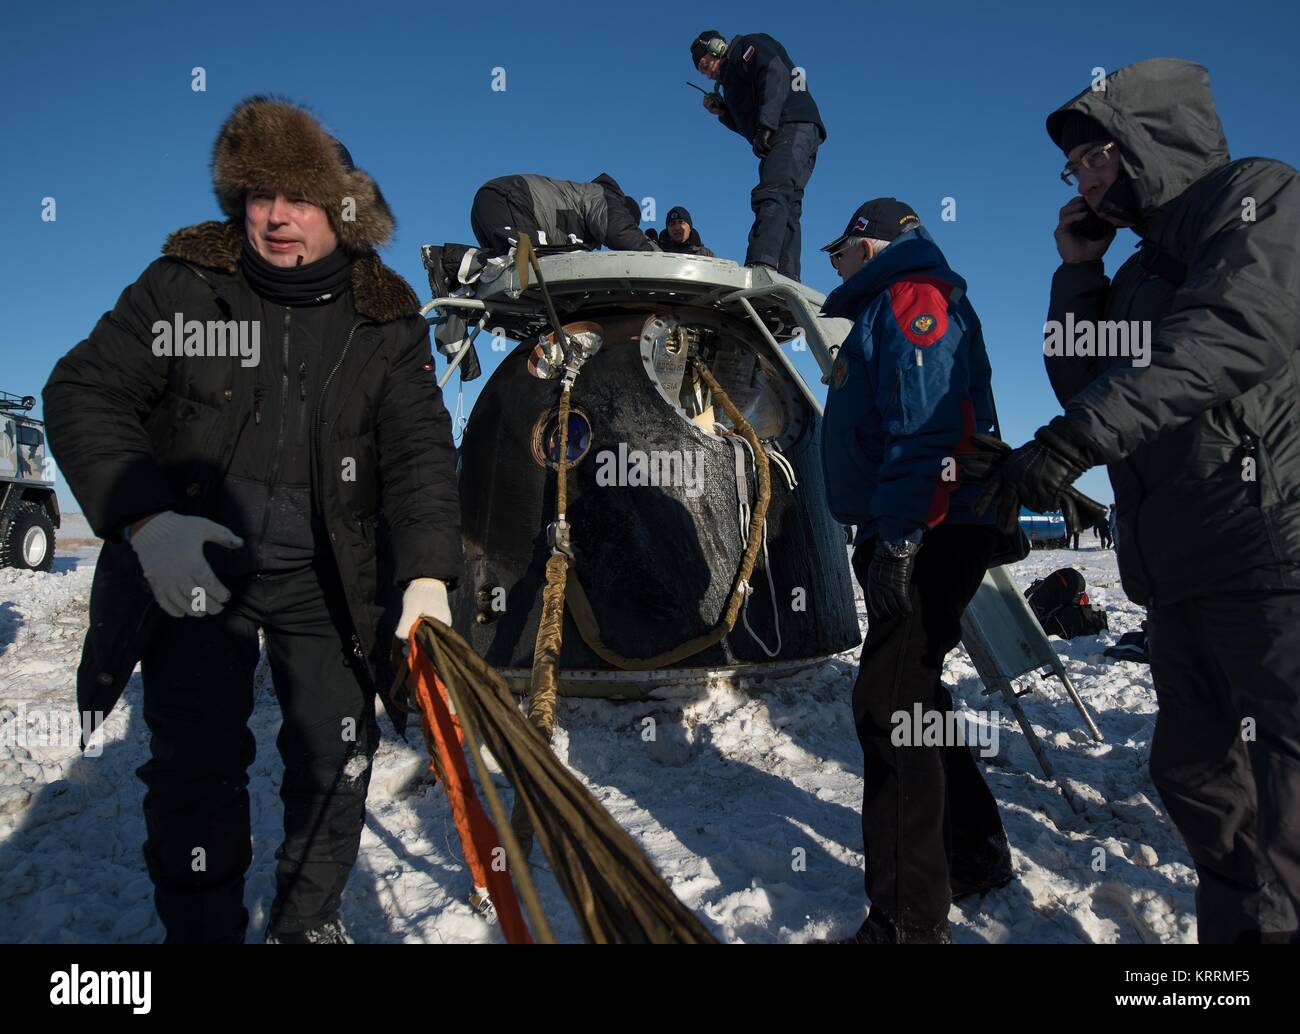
747	802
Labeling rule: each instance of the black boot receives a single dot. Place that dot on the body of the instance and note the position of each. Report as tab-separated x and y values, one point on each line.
332	932
879	928
978	874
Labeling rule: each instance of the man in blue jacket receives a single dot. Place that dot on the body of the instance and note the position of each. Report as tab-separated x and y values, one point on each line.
765	99
909	386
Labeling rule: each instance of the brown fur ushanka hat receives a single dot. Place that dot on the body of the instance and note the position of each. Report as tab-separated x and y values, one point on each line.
270	143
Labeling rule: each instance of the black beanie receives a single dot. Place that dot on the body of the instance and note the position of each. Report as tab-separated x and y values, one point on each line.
1077	128
700	46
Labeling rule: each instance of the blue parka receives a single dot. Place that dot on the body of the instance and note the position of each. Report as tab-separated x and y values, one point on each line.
910	385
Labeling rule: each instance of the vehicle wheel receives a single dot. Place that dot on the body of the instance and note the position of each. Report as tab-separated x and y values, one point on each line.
28	541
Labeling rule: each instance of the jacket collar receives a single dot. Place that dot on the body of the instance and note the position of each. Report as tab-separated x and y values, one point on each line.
378	293
911	254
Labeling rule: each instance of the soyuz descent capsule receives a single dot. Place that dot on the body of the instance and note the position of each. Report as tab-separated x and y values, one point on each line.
660	487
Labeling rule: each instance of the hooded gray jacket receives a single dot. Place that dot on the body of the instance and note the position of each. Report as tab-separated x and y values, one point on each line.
1203	444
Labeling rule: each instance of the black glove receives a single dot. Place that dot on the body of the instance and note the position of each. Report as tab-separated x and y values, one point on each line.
989	461
889	576
985	457
763	142
982	464
1081	513
1040	471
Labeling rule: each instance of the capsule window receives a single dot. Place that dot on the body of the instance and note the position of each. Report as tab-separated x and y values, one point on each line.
546	438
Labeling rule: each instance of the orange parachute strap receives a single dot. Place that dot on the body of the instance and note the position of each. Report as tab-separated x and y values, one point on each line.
444	739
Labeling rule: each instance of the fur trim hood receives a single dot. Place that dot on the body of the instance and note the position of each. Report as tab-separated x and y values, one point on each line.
377	292
268	142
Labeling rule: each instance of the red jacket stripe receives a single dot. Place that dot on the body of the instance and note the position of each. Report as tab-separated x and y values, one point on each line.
943	489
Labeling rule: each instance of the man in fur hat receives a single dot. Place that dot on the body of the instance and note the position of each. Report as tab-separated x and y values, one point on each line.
314	462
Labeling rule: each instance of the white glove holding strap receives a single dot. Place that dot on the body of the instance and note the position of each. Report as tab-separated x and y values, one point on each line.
424	597
170	548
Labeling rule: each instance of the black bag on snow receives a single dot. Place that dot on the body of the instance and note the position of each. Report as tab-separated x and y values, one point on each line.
1131	646
1060	601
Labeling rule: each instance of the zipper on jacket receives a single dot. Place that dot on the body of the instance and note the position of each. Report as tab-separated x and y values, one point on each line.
302	401
1250	445
224	306
279	438
318	421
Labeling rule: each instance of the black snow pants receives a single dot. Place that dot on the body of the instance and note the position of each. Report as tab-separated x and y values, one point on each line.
926	811
498	217
777	201
1226	756
198	697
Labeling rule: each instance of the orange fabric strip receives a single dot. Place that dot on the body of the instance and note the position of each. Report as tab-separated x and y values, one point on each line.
478	837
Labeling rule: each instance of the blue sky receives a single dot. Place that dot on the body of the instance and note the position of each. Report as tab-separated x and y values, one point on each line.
921	101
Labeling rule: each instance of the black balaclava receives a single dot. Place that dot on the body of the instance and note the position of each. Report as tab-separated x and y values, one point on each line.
318	282
1121	199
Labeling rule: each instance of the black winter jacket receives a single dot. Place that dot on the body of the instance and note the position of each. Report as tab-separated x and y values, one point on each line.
135	434
691	246
1223	383
756	88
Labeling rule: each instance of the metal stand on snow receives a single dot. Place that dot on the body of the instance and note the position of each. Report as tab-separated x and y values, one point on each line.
1004	639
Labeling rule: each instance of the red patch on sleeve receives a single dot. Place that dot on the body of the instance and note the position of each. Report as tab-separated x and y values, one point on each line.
943	489
921	309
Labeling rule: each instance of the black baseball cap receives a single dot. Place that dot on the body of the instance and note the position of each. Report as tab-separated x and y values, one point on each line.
678	212
884	218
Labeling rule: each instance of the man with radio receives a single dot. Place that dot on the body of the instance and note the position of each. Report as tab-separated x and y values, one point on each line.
765	99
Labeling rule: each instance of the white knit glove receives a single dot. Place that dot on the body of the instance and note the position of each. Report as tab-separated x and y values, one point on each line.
424	597
170	548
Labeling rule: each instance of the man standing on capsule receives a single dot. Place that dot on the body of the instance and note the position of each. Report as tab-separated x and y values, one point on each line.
764	98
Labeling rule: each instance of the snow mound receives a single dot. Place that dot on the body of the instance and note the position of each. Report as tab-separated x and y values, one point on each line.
746	800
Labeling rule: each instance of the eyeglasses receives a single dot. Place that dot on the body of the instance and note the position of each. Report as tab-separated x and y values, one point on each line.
835	255
1094	159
